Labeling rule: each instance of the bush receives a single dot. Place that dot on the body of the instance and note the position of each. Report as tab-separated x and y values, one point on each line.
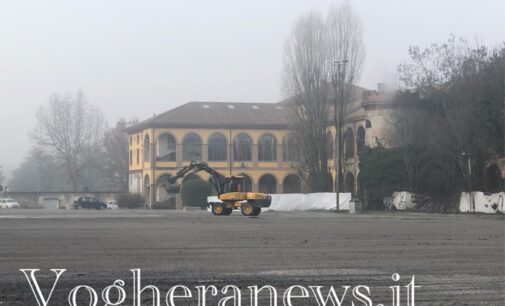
194	192
130	200
168	204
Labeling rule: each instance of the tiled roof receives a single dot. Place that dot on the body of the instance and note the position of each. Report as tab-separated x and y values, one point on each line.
233	115
219	115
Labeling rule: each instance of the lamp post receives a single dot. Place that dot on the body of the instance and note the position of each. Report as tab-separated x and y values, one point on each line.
338	116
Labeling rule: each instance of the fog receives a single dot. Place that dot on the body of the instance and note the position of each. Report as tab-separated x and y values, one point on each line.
136	58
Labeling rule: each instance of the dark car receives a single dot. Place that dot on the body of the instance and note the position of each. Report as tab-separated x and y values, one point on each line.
89	203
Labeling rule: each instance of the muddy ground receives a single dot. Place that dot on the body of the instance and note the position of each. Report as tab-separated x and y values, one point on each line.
456	259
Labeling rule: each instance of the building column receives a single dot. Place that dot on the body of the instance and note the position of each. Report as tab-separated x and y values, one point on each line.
205	152
280	153
178	155
178	201
280	188
255	155
255	187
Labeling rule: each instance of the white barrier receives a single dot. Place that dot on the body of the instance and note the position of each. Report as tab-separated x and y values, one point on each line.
482	203
309	201
403	200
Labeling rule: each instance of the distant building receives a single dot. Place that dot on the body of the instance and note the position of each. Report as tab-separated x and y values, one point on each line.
249	139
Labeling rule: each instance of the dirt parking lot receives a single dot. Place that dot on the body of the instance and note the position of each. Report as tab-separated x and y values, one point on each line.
456	259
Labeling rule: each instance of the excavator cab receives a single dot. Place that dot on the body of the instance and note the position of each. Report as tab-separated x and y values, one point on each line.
235	184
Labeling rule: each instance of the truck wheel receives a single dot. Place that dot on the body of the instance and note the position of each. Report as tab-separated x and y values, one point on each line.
227	211
247	209
217	209
256	211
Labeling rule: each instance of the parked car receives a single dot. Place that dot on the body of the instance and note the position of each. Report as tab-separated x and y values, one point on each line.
89	203
112	205
8	203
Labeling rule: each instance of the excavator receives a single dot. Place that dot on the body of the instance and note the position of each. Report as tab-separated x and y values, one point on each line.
229	191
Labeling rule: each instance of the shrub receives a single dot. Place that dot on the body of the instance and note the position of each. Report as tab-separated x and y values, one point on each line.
168	204
130	200
195	192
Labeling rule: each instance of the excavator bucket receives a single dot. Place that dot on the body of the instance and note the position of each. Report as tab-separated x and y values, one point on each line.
172	188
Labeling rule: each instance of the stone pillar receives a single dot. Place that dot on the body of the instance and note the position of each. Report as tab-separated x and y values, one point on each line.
178	155
178	201
280	153
205	152
255	155
255	188
280	188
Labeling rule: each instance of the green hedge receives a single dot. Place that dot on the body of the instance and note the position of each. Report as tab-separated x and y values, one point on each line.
194	192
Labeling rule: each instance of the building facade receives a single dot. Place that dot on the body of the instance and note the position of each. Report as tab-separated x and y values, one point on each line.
248	139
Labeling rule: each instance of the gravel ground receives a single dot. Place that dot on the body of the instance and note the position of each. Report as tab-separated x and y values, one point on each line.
456	259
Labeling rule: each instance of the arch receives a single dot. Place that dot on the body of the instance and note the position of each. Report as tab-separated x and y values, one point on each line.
267	184
147	188
368	124
349	182
292	184
290	152
162	197
494	181
267	148
246	184
147	148
192	147
166	147
242	147
330	145
349	143
360	139
217	147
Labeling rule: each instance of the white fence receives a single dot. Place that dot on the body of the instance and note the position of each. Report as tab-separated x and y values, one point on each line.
482	203
309	201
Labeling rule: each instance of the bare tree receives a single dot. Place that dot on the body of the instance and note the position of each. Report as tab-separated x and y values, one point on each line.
116	157
305	82
346	54
2	177
70	131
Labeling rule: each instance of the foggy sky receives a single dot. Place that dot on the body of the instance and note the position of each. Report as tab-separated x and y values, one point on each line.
136	58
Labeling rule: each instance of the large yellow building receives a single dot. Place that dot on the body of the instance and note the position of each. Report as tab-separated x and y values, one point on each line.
249	139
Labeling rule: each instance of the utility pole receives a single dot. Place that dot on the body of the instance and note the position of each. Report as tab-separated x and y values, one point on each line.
338	120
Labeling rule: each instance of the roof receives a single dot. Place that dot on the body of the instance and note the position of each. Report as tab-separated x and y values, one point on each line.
236	115
219	115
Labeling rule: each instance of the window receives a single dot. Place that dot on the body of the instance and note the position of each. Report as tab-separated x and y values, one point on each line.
147	149
368	124
360	141
268	184
217	148
166	147
290	150
246	184
242	148
267	148
138	139
138	156
292	184
192	147
349	143
131	157
349	183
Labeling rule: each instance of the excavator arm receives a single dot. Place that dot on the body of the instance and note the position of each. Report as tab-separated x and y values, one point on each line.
217	179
